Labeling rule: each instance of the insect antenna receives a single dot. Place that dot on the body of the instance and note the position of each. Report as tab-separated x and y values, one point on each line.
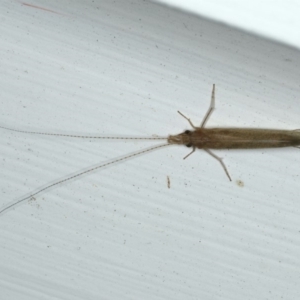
83	136
78	174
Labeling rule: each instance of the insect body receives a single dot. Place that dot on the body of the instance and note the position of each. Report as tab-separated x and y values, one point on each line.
232	138
200	137
236	138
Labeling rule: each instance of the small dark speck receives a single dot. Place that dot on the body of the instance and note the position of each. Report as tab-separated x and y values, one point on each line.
240	183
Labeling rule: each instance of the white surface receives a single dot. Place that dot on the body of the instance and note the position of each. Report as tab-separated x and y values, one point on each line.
278	20
120	233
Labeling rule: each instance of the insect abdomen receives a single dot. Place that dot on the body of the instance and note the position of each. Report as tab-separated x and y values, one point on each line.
232	138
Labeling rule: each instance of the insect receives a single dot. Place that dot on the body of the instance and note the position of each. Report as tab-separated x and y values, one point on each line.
199	137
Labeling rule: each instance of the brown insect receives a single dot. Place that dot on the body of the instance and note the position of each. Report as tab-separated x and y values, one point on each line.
232	138
199	137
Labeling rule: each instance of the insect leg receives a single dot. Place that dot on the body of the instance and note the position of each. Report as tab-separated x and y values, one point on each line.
194	149
210	109
219	160
187	119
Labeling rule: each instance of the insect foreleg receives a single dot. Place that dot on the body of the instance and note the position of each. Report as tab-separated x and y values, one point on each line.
187	119
194	149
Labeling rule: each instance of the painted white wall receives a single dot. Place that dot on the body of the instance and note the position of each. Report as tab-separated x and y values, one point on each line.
278	20
120	68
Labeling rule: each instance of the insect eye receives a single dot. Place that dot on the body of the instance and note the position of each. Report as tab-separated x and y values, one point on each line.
187	132
189	145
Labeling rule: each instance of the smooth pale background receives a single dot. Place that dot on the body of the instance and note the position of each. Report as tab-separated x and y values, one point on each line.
276	19
125	68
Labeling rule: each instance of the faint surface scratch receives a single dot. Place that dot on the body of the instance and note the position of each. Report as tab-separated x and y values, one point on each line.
39	7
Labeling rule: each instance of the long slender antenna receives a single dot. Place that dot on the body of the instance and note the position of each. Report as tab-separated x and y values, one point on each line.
80	174
84	136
